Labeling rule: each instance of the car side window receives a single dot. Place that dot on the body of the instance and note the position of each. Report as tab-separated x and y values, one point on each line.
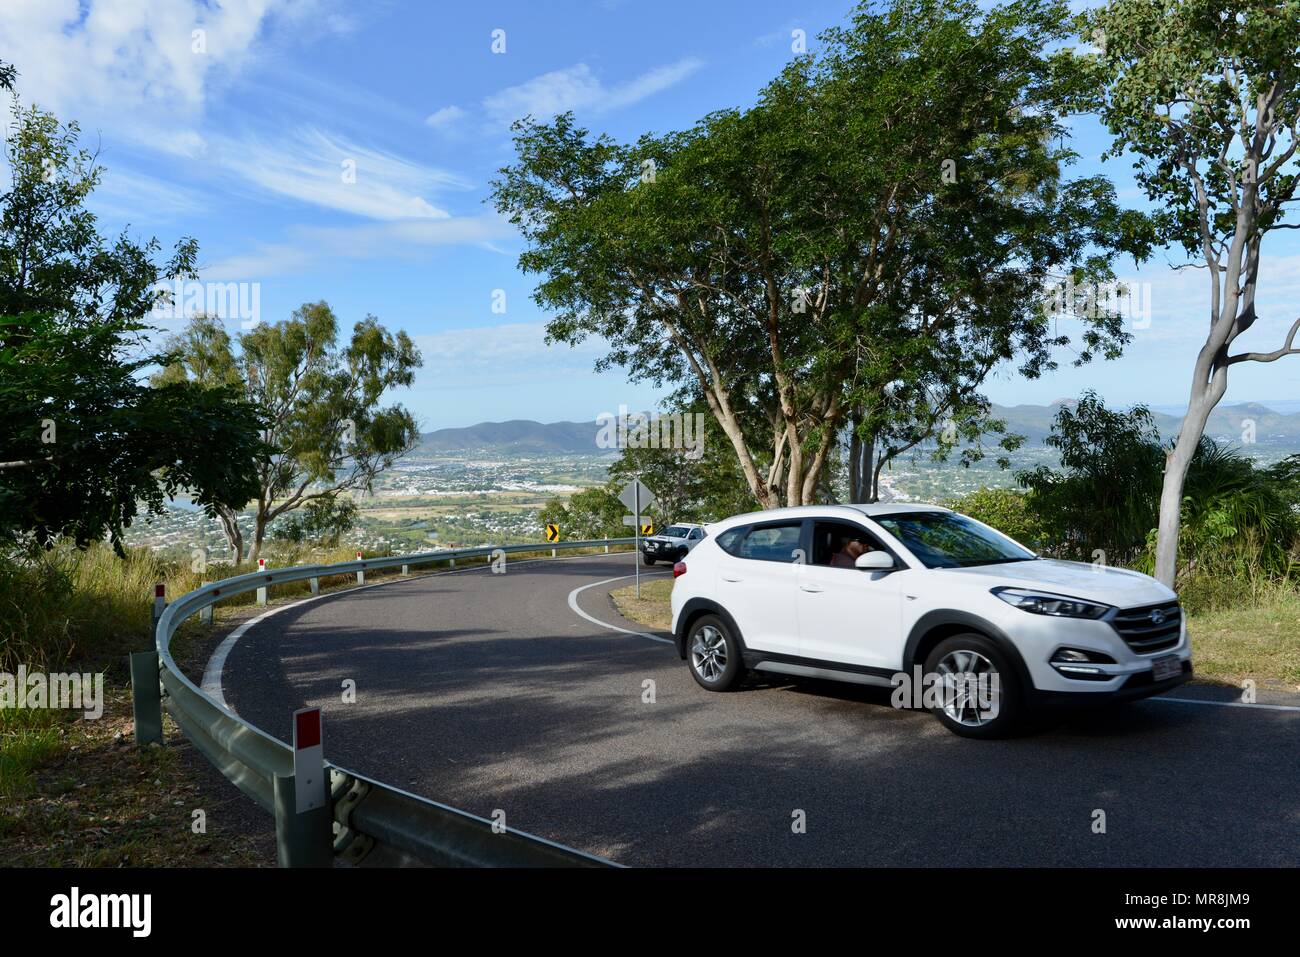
697	534
730	539
771	543
838	544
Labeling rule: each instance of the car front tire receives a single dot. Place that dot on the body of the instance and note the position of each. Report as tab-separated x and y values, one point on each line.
978	708
713	654
647	560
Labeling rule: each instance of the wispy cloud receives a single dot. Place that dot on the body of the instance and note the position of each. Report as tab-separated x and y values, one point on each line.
578	88
308	247
335	173
444	117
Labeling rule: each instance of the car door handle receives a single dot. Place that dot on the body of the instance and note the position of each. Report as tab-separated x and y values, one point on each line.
728	578
811	588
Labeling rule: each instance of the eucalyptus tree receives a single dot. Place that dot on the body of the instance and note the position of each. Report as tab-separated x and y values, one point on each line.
1205	96
326	432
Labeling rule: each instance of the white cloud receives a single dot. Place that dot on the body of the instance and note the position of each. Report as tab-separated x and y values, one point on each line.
311	246
334	173
491	356
578	88
71	53
444	117
88	59
134	197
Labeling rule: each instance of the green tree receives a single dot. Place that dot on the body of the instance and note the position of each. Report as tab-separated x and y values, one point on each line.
1008	510
84	441
1101	502
326	429
323	521
1205	96
887	213
589	514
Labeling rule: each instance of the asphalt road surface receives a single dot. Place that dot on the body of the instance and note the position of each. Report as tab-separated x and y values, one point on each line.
487	691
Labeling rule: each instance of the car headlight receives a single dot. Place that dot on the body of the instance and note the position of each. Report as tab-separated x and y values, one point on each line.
1045	603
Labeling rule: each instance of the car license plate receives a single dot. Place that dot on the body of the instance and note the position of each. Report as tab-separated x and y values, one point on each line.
1167	667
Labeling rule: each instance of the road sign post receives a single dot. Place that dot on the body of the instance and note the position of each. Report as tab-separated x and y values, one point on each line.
636	497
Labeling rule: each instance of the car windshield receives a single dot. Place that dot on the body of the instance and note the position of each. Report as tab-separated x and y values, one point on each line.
949	540
675	531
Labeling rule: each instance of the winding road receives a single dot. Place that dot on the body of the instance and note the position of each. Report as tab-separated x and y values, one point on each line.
526	692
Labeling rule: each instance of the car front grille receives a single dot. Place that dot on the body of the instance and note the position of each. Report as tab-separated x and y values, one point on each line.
1150	628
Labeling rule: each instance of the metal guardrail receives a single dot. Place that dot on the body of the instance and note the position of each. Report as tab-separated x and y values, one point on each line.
364	821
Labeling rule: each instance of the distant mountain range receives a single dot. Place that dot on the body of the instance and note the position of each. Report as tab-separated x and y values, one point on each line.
524	437
518	437
1227	422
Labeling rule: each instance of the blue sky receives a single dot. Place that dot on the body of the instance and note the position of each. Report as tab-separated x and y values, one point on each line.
243	145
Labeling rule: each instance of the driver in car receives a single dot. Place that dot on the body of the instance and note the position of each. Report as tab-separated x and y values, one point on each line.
848	554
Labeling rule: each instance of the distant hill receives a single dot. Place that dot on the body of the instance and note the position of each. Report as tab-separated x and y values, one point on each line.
524	437
518	437
1226	423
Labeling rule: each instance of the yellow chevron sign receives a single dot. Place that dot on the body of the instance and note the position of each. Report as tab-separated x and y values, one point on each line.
648	528
552	532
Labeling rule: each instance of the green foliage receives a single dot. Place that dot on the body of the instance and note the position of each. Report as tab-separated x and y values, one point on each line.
1105	495
323	521
1237	523
1006	509
589	514
83	441
1204	95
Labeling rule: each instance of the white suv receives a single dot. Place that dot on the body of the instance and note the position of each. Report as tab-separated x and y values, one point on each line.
955	616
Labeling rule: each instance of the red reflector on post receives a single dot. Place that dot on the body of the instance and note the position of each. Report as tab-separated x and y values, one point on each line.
160	590
679	569
306	731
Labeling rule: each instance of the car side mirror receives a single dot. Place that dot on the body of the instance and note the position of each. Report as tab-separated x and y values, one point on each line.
874	561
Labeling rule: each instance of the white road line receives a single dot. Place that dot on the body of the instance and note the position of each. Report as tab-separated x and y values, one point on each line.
1228	704
573	603
212	671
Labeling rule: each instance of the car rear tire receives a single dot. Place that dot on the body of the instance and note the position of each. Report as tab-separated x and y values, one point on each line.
713	654
647	560
987	708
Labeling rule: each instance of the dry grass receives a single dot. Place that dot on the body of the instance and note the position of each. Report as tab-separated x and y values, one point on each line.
651	608
1260	641
88	797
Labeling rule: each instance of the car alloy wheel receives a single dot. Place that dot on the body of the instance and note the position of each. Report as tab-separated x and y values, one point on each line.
969	702
962	672
709	654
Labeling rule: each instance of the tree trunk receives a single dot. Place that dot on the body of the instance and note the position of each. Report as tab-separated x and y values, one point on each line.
861	455
1177	461
255	552
234	535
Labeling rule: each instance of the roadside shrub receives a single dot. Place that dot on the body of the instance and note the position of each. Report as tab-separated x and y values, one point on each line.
1006	509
